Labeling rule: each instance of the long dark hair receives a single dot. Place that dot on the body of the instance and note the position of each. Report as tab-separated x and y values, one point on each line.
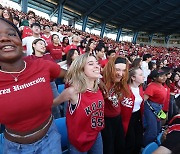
69	56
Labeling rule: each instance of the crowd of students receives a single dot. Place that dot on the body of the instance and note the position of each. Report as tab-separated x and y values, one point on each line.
118	93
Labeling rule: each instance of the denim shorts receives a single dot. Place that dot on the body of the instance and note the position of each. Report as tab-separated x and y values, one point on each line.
49	144
97	147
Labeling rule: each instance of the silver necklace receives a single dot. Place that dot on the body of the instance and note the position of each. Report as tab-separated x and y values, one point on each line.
16	77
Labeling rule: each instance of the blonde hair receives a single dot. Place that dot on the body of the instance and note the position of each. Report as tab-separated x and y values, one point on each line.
132	72
76	76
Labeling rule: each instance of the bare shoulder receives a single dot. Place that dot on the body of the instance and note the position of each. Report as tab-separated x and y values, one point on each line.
71	90
73	95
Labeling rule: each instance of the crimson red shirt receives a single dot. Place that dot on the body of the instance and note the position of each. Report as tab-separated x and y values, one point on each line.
72	46
157	93
55	51
111	109
26	32
86	120
46	56
47	39
166	103
27	103
81	50
127	105
103	62
174	88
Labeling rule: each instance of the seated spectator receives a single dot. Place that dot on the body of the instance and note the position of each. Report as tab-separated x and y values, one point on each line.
7	15
55	48
46	34
137	62
27	41
171	143
16	21
75	42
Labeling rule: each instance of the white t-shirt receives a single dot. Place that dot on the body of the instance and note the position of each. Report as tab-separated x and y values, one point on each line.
145	69
138	98
27	41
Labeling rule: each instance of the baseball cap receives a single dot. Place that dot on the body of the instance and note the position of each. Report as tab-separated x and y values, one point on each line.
157	73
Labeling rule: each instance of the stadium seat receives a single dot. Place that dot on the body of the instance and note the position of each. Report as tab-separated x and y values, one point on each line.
1	143
159	138
61	88
61	125
150	148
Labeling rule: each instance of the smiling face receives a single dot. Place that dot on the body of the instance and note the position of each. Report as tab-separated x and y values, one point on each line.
92	68
6	14
120	71
161	78
40	47
10	43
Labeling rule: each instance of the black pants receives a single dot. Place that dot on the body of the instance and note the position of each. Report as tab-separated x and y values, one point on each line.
113	136
134	134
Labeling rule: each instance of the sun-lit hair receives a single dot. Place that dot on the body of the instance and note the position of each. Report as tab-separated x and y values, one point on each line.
109	76
132	72
76	76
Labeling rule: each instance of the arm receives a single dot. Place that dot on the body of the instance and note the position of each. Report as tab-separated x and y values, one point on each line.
146	97
66	95
62	73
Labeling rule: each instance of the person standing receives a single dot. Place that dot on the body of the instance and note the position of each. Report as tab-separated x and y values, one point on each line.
55	48
115	76
155	97
26	97
27	41
145	68
132	111
85	114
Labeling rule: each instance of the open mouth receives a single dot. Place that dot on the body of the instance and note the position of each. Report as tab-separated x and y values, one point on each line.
8	48
97	71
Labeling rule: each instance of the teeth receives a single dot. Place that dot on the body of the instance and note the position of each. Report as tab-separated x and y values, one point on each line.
7	47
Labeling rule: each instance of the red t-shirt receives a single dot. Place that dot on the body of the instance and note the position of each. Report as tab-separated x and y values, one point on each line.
47	39
55	51
174	88
86	120
111	109
26	32
72	46
103	62
46	56
81	50
27	103
157	93
127	105
166	103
